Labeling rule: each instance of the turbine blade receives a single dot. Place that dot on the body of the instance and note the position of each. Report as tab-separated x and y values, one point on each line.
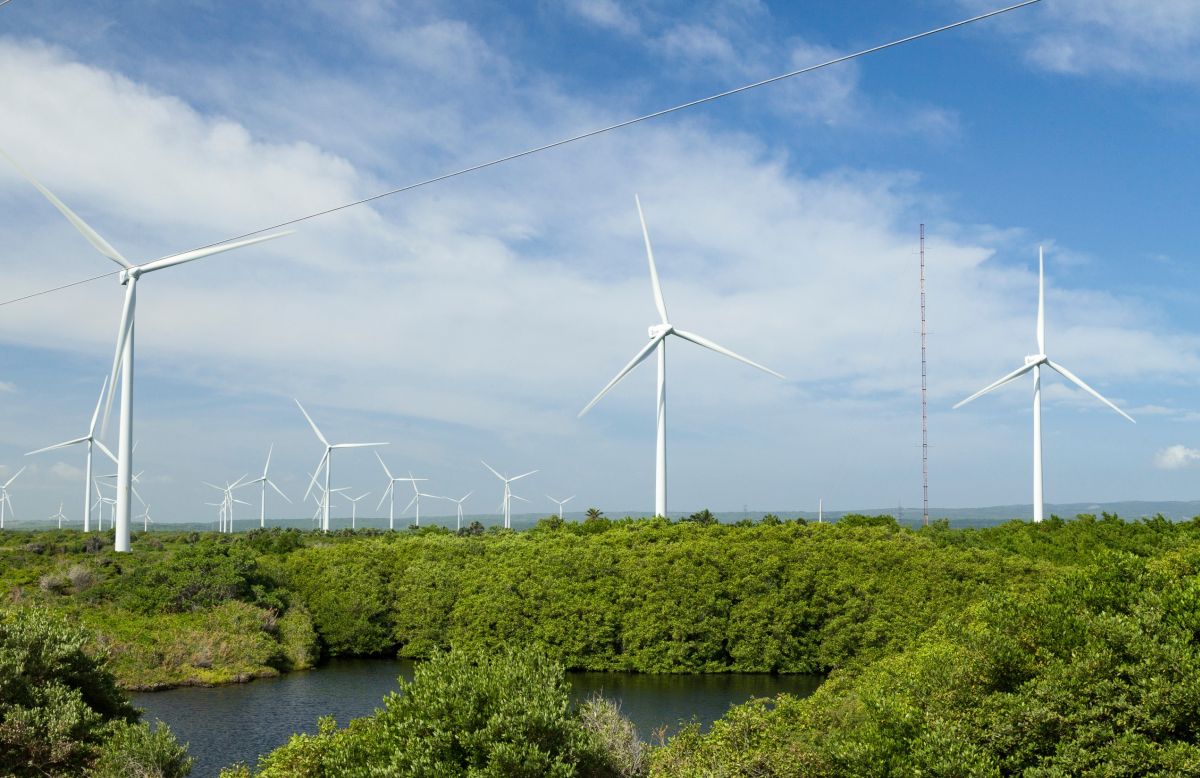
8	483
311	423
271	484
96	413
1020	371
702	341
1067	374
358	445
313	481
522	475
191	256
100	445
658	295
218	488
93	237
386	492
489	467
122	336
1041	319
410	503
58	445
267	466
385	467
637	359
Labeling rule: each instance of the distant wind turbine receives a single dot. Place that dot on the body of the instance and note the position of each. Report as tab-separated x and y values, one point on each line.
227	501
146	520
560	504
416	500
354	508
5	500
1034	364
389	493
508	495
59	515
458	503
89	439
658	340
265	482
326	462
123	357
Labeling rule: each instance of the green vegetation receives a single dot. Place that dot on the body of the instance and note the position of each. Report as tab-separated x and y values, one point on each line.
1069	647
504	715
61	712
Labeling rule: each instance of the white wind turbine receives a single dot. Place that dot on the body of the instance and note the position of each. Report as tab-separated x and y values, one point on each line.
5	500
458	503
60	516
658	340
265	481
389	494
123	357
1034	364
89	439
560	504
416	500
227	501
354	508
146	520
326	462
508	495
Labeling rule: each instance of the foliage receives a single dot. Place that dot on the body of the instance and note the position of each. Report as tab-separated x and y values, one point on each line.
1097	674
505	715
137	751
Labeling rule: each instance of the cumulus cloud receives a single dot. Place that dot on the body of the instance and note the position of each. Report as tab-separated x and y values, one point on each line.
607	14
66	472
7	387
1175	457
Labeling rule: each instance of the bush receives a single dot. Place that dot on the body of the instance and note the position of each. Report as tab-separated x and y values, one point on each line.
56	702
136	751
492	715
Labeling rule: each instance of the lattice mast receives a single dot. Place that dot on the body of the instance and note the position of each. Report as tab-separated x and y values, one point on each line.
924	399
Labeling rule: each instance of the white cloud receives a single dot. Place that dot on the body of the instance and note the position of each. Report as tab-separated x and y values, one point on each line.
1159	39
607	14
1175	457
66	472
7	387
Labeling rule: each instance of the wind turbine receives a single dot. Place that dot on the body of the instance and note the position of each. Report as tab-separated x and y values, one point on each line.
658	340
146	520
59	515
1034	364
89	439
123	357
265	481
560	504
354	508
326	461
459	503
227	502
390	493
508	495
417	495
5	499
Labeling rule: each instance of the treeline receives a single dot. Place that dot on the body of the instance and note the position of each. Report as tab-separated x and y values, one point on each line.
641	595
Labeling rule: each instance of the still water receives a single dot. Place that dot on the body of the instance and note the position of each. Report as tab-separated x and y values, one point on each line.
228	724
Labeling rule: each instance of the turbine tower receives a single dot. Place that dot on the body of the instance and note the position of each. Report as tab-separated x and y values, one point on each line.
508	495
389	493
123	358
560	504
354	508
658	340
265	482
1034	364
90	439
326	462
458	503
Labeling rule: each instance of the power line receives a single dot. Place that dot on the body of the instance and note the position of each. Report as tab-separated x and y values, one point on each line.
566	141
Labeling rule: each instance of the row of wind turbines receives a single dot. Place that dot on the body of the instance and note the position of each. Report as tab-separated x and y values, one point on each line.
123	370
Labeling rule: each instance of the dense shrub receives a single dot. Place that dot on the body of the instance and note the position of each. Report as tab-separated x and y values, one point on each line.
137	751
504	715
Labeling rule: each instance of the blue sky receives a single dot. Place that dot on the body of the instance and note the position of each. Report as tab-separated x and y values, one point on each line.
472	319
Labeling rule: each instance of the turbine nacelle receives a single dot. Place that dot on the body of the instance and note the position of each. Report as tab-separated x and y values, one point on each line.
1036	359
660	330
